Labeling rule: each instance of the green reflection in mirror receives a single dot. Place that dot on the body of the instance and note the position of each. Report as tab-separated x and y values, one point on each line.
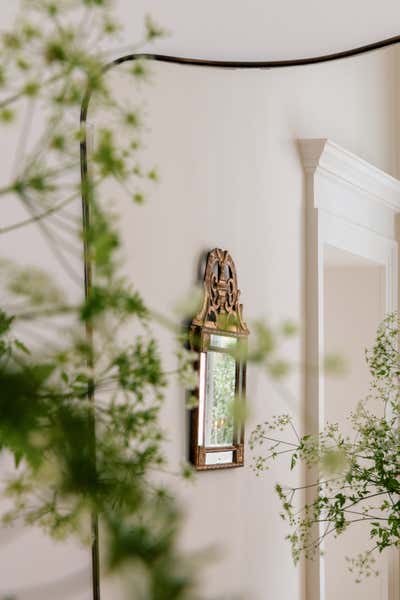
220	395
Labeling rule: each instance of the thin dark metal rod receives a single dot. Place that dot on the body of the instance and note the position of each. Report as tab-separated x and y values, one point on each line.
195	62
259	64
95	557
87	270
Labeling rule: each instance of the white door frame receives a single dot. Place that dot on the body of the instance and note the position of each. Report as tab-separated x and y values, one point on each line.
351	205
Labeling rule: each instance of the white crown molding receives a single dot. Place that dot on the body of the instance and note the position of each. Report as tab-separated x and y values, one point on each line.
324	157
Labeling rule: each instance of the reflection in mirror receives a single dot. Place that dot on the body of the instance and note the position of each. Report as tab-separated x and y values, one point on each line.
220	395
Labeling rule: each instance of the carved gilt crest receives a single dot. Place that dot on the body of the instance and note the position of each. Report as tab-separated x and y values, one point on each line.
221	308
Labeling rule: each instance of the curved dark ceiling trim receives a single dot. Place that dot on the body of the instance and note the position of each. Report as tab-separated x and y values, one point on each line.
196	62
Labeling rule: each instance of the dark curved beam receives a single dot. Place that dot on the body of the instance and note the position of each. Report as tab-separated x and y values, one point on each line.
194	62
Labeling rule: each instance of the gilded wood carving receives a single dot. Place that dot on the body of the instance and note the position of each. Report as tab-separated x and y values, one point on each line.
217	438
221	308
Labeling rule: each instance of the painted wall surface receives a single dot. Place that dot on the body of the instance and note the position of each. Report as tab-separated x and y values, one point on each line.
353	301
260	30
231	176
225	144
252	30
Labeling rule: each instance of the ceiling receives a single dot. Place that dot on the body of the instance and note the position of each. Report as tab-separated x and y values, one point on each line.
261	29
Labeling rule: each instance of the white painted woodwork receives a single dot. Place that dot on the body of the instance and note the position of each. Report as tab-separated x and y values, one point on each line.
351	206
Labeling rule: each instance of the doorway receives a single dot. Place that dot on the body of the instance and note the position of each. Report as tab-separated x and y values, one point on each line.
354	305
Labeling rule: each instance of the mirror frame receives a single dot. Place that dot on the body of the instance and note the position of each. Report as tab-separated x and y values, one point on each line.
220	315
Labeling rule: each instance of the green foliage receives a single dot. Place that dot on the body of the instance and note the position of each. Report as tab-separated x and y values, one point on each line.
108	157
31	284
153	31
265	343
6	115
117	299
80	408
187	374
359	478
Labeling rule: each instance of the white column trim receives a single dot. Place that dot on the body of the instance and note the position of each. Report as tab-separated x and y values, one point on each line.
352	205
330	159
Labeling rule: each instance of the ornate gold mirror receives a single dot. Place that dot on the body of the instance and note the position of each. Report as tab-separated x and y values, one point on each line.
219	334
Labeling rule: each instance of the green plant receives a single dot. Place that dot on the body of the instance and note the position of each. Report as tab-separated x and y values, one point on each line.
358	478
79	406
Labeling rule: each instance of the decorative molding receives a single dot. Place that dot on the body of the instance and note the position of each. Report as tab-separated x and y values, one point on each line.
324	157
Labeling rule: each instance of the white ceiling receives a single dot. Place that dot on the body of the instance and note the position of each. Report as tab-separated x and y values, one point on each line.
262	29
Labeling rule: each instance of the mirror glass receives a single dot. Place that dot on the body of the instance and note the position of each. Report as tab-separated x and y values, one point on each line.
220	394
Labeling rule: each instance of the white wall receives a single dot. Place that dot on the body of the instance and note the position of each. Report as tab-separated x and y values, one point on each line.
260	29
251	30
353	308
225	142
